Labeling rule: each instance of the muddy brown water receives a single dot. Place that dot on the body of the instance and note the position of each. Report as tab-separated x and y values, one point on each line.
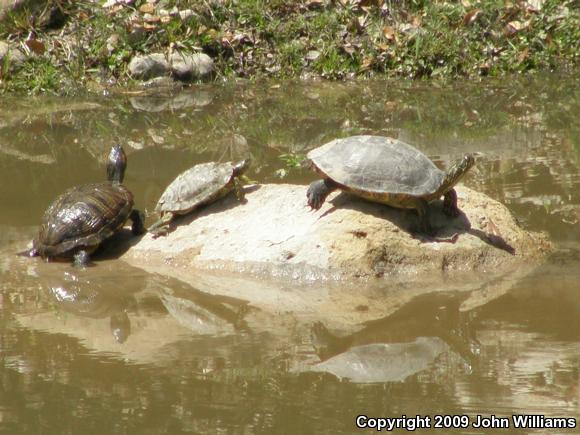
112	349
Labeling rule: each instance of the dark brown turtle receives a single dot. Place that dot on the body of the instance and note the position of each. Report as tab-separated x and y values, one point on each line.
76	223
387	171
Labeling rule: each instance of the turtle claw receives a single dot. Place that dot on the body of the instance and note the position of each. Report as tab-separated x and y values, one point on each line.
318	191
314	201
159	232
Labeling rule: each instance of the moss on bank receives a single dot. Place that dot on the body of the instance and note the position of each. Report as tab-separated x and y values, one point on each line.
78	44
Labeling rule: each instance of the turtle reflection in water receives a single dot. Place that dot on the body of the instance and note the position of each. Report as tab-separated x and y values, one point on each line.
76	223
204	313
199	185
403	343
386	171
93	297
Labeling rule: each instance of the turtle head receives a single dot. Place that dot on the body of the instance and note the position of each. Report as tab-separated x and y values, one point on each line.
116	164
457	171
242	166
465	163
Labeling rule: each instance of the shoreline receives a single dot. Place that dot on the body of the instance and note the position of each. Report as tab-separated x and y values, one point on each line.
71	46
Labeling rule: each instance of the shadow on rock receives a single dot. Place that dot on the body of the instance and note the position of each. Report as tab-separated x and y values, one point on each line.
117	245
447	228
494	240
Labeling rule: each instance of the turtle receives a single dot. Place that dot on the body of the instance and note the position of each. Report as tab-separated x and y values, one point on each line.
387	171
202	184
76	223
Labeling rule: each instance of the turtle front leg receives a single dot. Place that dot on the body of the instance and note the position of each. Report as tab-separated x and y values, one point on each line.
137	228
161	227
81	258
450	204
318	191
239	190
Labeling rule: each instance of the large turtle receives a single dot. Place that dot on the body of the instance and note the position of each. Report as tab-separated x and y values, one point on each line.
76	223
201	184
387	171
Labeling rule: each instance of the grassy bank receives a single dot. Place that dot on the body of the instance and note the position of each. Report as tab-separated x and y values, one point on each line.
83	44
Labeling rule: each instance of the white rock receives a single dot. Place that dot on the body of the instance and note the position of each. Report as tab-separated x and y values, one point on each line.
185	14
185	66
148	66
111	3
15	56
275	233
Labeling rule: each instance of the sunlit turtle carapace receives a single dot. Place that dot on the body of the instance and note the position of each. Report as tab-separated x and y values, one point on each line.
76	223
387	171
199	185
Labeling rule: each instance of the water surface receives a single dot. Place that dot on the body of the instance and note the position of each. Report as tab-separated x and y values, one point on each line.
114	349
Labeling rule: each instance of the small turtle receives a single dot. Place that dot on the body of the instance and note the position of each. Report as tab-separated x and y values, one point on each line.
387	171
201	184
76	223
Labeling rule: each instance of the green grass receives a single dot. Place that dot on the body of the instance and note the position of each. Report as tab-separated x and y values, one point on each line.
259	38
37	76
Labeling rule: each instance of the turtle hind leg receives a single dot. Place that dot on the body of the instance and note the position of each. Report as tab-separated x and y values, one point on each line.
450	204
161	227
318	191
422	208
33	252
137	227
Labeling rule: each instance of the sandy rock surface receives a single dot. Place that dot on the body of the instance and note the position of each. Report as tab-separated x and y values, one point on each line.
276	234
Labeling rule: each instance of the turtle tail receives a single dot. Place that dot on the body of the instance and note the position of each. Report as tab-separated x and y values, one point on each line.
33	252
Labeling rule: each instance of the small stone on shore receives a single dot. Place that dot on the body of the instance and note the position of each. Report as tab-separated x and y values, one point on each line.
15	56
148	66
185	66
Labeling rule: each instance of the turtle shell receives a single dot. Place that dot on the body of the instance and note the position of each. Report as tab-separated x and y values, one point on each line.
378	165
198	185
82	217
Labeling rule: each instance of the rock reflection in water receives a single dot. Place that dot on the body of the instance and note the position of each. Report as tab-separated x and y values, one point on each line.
180	101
